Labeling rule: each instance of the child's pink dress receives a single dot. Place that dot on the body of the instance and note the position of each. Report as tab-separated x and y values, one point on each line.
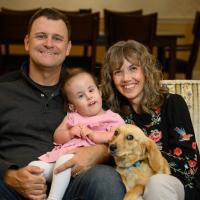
98	123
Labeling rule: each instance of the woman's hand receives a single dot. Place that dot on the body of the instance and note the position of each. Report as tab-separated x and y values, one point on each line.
84	158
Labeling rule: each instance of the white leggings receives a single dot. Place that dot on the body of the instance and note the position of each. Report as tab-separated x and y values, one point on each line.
60	181
163	187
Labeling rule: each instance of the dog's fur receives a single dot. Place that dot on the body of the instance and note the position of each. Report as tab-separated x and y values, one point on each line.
130	144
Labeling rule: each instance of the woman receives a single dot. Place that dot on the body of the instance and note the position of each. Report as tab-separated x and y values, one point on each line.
131	87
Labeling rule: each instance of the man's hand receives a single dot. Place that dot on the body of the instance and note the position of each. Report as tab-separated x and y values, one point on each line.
84	158
28	182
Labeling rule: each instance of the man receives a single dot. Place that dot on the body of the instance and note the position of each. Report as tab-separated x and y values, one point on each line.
31	108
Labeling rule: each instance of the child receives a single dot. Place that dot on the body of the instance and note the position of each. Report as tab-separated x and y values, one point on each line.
86	124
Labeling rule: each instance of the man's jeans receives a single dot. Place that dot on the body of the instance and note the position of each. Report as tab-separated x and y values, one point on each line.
98	183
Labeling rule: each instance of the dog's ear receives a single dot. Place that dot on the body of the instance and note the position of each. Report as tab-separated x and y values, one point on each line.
154	156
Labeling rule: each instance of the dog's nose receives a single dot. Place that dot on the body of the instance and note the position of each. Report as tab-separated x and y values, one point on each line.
112	147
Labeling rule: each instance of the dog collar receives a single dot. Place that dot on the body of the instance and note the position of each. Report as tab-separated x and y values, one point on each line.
137	163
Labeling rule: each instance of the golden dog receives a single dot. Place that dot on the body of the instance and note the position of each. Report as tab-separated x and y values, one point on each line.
137	158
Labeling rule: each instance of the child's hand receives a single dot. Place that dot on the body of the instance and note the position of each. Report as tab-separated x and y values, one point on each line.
75	131
85	132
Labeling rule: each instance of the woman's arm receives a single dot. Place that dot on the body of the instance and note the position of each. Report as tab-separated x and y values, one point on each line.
183	152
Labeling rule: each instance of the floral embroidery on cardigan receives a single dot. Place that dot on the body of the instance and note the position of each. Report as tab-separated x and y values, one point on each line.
183	135
175	156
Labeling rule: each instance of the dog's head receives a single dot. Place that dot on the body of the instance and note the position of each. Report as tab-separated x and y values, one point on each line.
130	144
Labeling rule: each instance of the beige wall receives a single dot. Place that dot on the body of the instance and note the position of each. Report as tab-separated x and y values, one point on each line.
170	9
174	15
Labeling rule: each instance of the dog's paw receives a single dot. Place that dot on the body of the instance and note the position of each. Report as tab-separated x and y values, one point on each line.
134	193
130	198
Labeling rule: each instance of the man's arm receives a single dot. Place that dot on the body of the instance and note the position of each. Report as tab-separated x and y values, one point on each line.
85	158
